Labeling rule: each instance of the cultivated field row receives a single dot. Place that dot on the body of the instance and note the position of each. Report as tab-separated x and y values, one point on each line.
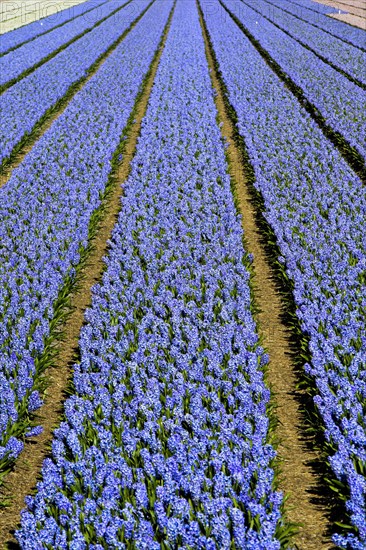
169	435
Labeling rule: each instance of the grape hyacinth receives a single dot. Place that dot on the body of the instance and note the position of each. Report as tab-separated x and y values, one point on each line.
338	100
344	56
165	440
24	105
15	63
309	12
316	207
15	38
46	210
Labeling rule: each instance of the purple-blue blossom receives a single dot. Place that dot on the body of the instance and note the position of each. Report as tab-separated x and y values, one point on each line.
46	209
16	62
165	441
316	207
15	38
338	100
24	105
316	14
346	57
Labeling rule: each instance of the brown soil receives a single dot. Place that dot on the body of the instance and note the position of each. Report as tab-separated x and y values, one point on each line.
297	478
22	480
56	111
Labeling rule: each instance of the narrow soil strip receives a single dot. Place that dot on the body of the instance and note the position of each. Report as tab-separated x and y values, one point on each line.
297	478
53	54
56	110
22	480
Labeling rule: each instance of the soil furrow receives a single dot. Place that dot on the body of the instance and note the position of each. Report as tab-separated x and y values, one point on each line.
54	112
352	7
297	478
22	480
349	19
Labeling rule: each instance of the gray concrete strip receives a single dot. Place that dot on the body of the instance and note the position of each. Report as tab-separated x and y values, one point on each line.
15	13
342	6
351	19
356	11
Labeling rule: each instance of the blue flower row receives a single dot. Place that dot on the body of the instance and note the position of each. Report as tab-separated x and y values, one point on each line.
15	63
316	207
46	210
338	100
305	11
17	37
28	101
346	57
165	439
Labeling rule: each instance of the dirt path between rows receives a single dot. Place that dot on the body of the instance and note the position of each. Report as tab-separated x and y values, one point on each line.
22	480
54	112
297	476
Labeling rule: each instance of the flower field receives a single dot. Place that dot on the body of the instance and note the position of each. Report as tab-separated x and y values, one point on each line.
170	113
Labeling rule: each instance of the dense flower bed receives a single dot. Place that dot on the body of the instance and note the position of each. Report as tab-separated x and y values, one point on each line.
17	37
15	63
305	11
45	213
339	101
346	57
25	103
165	440
316	207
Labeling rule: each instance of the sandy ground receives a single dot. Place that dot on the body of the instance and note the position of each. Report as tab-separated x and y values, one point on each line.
16	13
356	11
